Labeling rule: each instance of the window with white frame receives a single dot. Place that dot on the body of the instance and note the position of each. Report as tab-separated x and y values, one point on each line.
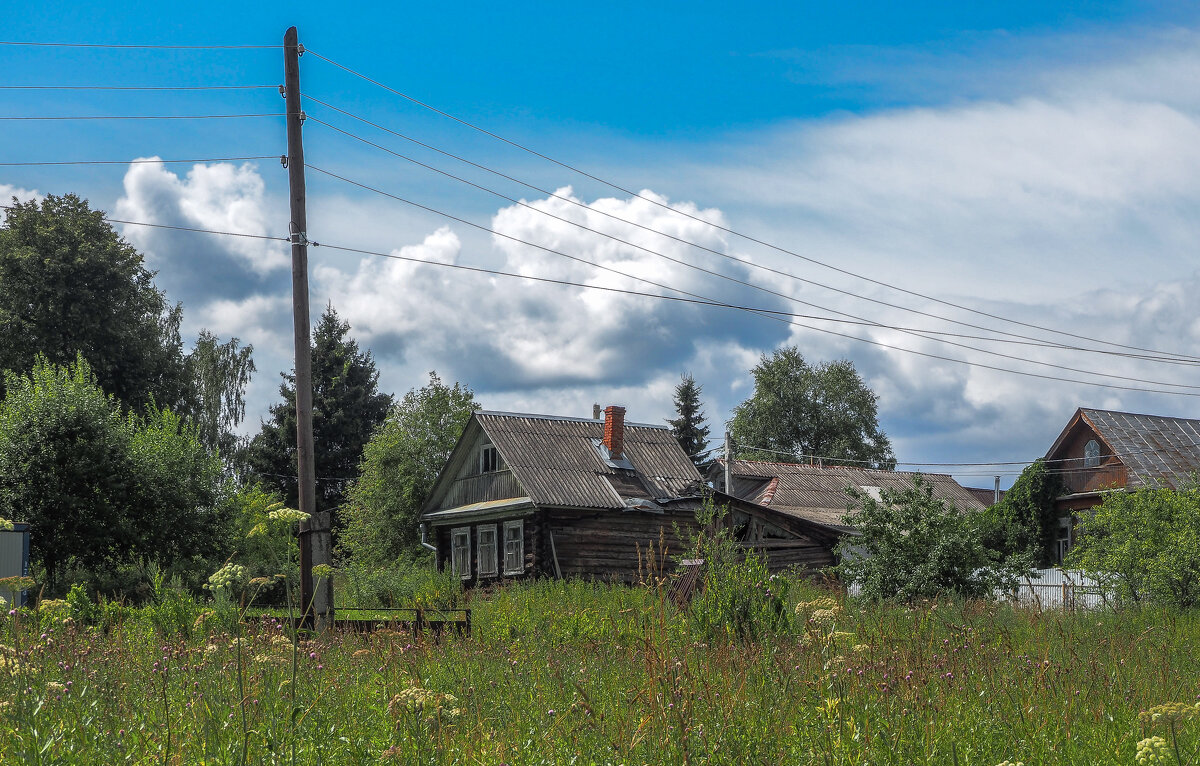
514	547
460	552
489	459
486	538
1091	454
1063	543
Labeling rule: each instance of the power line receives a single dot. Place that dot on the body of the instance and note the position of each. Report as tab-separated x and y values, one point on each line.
146	117
915	332
767	314
137	47
838	460
727	230
136	87
696	299
1172	359
139	161
182	228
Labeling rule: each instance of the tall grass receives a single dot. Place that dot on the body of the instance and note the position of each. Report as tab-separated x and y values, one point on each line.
573	672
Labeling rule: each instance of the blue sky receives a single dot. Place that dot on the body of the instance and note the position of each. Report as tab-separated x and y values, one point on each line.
1031	160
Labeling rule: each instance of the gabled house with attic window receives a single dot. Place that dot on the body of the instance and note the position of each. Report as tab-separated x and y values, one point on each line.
1103	451
535	495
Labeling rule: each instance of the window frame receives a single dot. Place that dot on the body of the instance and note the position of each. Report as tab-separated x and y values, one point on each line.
494	570
519	540
1062	542
1091	460
497	462
465	532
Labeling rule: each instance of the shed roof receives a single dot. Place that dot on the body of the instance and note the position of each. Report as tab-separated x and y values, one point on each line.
556	463
818	493
1156	450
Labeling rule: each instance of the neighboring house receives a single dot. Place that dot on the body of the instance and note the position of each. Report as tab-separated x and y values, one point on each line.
1101	451
818	494
533	495
988	497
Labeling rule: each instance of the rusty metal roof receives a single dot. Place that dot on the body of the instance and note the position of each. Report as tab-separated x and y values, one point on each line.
1156	450
819	494
557	464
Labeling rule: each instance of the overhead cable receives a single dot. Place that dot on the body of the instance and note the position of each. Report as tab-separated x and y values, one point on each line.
728	230
910	331
768	314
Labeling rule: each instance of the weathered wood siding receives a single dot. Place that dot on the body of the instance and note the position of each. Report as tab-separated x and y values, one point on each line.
481	487
615	545
443	540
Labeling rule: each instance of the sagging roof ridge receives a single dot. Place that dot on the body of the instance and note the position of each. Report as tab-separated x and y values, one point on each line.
562	418
832	467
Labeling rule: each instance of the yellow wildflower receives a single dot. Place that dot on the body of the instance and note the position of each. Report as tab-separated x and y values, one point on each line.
1170	712
1152	750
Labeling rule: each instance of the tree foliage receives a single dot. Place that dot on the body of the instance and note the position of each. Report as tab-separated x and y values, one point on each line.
69	285
99	487
1024	521
1146	543
399	467
347	408
912	546
799	410
689	427
219	373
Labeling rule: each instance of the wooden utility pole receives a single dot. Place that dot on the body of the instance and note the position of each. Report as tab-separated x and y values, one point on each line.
316	543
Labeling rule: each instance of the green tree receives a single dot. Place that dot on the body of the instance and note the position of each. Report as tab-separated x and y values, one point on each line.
1144	543
1025	521
399	467
69	285
219	373
177	501
65	466
101	488
689	427
801	410
347	408
912	545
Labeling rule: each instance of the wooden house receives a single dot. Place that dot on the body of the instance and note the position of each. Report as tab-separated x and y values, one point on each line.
1102	451
818	493
534	495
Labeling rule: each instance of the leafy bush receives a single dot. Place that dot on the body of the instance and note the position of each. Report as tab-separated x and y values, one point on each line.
738	596
912	546
1144	543
1025	521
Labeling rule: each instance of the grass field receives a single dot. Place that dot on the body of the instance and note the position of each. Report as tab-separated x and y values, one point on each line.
576	673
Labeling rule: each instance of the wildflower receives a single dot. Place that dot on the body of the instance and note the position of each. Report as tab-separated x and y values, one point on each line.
1011	763
823	616
824	602
323	570
1171	712
861	648
431	706
1152	750
287	515
229	577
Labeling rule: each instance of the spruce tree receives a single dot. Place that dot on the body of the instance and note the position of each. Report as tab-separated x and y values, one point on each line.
347	408
689	427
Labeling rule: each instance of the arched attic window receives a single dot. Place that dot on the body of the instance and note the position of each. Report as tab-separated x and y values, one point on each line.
1091	454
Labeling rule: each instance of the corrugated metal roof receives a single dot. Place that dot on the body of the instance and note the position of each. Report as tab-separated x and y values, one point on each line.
819	494
1156	450
555	461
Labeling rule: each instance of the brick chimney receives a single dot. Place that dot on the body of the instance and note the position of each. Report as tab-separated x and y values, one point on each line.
614	431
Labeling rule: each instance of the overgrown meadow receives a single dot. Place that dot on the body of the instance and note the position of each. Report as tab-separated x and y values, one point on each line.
572	672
